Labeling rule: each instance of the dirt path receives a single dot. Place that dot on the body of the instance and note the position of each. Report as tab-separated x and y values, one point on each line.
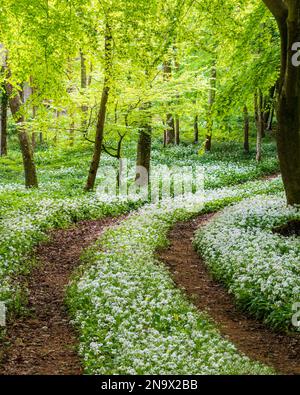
45	342
251	337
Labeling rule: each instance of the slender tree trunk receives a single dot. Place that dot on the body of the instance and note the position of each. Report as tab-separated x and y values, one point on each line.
144	147
28	160
33	140
269	109
84	84
72	130
170	130
270	120
196	130
260	127
3	124
177	130
211	101
287	15
15	103
246	130
144	150
101	114
262	107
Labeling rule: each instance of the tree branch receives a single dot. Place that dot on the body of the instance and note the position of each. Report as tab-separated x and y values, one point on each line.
278	9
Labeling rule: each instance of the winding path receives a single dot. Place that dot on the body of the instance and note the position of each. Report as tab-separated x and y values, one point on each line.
44	342
250	336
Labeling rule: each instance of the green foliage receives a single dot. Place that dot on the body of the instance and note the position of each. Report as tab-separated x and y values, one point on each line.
242	42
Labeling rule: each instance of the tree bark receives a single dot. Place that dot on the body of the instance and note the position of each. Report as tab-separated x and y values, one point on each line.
269	110
3	124
144	147
169	133
246	130
211	101
260	124
196	130
287	15
170	130
15	104
84	84
177	130
144	150
101	113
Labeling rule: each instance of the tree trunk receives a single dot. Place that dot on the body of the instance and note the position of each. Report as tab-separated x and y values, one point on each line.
269	109
169	133
101	114
33	140
28	161
72	132
262	108
287	15
170	130
84	83
246	130
196	130
177	130
15	103
3	124
144	151
211	101
260	126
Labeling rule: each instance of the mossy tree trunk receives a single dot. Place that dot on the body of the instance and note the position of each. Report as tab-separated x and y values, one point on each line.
287	15
83	85
196	130
211	101
15	104
246	130
3	124
177	130
143	155
170	130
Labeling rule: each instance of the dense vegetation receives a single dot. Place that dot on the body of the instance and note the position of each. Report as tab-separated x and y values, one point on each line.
102	102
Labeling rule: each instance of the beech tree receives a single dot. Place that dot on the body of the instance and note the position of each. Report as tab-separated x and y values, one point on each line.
108	49
15	103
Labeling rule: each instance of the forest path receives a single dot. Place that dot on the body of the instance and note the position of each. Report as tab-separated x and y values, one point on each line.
44	342
251	337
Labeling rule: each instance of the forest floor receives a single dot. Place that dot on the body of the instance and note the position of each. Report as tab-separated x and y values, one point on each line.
189	272
44	341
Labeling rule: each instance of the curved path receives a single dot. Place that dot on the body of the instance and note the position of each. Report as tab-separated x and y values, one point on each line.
44	342
250	336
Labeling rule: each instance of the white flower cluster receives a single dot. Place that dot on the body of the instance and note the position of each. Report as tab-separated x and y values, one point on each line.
22	229
259	266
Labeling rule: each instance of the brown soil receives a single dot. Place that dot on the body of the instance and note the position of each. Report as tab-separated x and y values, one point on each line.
45	342
251	337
